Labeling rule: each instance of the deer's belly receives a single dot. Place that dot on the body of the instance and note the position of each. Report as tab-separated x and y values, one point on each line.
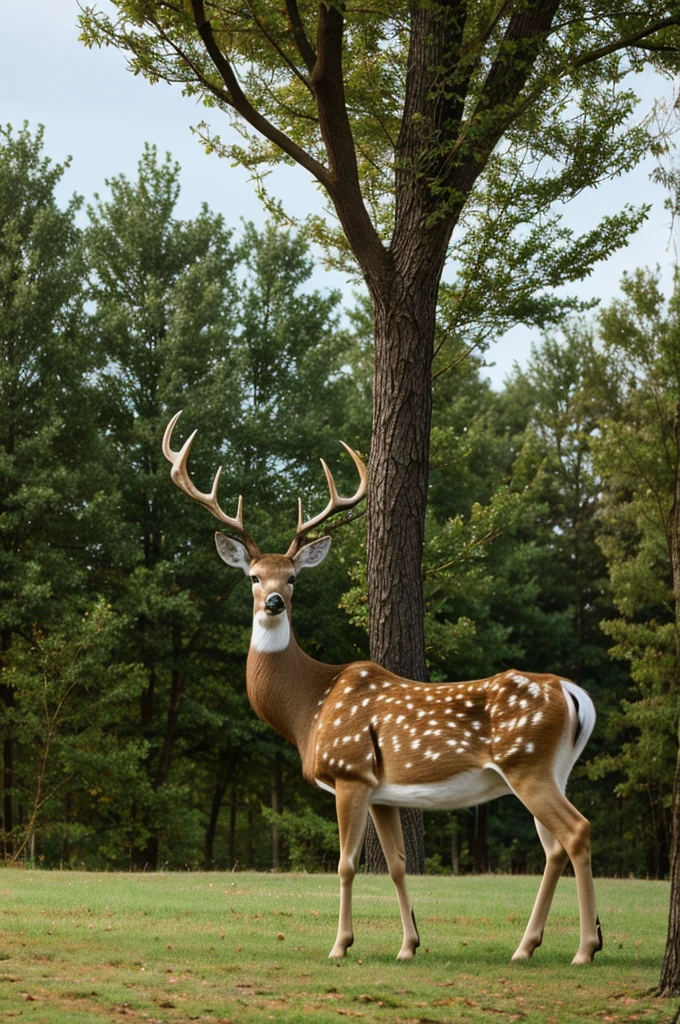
465	790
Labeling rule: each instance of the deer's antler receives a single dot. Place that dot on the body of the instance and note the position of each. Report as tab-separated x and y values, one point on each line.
335	503
180	476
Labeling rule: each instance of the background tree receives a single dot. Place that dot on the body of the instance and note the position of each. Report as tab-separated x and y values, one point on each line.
638	456
46	456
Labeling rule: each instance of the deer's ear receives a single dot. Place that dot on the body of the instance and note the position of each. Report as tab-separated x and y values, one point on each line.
232	552
312	554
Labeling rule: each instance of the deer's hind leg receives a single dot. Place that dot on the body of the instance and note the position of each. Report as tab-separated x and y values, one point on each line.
351	806
555	861
571	830
388	826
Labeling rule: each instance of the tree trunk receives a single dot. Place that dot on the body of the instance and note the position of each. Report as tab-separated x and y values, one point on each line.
7	697
277	807
669	982
400	447
219	791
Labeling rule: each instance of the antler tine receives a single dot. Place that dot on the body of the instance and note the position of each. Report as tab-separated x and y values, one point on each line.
335	504
180	476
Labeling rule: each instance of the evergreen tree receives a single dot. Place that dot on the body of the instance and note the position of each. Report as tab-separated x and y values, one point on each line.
46	455
638	457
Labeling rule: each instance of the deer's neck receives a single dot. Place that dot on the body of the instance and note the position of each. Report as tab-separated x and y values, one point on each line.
286	686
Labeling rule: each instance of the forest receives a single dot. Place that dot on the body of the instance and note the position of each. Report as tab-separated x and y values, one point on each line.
128	741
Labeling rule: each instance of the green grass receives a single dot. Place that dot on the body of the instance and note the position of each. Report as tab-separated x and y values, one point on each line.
81	948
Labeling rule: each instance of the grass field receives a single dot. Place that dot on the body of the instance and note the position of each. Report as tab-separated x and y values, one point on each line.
81	948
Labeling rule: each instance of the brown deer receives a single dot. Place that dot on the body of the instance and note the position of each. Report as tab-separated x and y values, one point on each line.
379	742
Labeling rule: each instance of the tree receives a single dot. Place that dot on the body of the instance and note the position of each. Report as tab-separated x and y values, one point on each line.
638	457
163	291
46	437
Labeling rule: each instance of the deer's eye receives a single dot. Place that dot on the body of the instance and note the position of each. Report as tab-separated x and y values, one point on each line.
291	581
254	579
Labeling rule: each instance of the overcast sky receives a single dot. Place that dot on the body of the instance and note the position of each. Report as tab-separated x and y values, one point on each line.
97	112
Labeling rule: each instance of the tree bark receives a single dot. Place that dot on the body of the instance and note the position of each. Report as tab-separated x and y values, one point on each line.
7	697
404	316
669	982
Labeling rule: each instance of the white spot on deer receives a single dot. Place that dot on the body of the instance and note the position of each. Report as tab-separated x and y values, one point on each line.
348	689
363	673
537	718
365	701
332	761
337	721
400	719
469	704
388	718
534	689
346	739
410	707
386	685
476	725
340	763
339	704
415	744
529	748
522	721
512	699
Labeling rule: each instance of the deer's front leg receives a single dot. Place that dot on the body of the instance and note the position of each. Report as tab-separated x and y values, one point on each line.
351	806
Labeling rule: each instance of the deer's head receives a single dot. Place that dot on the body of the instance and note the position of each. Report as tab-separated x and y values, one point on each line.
272	576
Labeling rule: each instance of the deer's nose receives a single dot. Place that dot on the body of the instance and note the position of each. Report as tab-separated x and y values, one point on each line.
274	604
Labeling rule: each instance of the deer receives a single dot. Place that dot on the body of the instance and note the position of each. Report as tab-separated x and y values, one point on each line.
379	742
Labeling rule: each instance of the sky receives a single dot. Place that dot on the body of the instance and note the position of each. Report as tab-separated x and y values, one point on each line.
98	113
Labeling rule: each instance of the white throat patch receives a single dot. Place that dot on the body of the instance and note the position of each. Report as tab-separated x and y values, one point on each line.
271	633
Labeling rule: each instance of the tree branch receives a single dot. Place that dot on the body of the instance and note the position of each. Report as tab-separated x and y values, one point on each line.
620	44
305	48
275	46
244	107
343	186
